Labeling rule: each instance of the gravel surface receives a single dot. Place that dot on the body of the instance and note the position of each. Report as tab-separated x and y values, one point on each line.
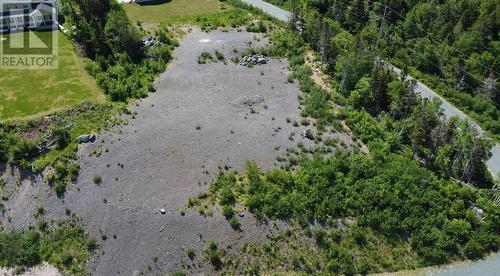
195	122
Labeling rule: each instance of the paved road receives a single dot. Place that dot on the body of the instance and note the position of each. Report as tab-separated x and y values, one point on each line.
486	267
272	10
449	110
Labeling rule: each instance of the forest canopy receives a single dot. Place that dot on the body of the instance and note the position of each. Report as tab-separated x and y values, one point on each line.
451	45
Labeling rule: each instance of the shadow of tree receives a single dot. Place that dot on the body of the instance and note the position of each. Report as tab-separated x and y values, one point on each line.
3	167
152	2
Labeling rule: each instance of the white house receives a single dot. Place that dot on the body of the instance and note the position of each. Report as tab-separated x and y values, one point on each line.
20	15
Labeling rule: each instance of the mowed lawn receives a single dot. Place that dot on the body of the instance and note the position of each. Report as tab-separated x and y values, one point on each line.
31	93
173	11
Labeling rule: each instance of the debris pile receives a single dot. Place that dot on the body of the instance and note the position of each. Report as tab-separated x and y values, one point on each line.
149	40
254	59
257	99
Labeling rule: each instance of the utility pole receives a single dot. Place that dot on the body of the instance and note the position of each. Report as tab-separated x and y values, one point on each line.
381	25
334	10
343	87
324	43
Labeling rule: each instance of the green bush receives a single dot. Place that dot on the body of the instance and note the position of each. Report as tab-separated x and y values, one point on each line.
219	55
205	57
97	179
385	193
67	247
228	211
213	255
20	248
62	136
235	224
24	150
190	253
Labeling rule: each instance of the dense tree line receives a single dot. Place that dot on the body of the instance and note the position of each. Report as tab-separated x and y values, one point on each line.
407	192
122	65
452	45
383	110
389	194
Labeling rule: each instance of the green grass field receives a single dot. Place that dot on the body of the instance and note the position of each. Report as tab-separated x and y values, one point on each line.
27	94
174	11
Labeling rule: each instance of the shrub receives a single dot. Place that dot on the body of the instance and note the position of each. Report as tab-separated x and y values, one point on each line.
24	150
219	55
60	187
92	68
205	57
190	253
228	211
31	247
97	179
21	248
214	259
62	136
235	224
227	197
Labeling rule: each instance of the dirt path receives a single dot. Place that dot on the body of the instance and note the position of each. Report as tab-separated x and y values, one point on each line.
193	124
317	76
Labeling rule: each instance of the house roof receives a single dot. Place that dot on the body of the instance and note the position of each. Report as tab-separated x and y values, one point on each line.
40	7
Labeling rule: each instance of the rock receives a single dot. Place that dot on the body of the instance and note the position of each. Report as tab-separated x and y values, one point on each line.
149	41
241	215
163	211
86	138
254	59
83	139
257	99
307	134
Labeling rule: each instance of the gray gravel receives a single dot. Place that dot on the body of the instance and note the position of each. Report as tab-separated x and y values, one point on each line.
157	160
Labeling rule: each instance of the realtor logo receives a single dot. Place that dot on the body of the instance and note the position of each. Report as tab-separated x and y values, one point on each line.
28	34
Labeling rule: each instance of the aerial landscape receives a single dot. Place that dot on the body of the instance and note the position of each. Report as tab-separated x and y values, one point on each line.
249	137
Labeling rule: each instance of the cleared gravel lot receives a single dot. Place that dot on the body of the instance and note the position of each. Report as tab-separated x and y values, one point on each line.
193	124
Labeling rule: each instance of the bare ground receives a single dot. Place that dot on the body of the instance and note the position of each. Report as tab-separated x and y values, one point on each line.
44	269
195	122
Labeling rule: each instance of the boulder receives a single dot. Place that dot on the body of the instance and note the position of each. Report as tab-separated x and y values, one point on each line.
307	134
86	138
83	138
